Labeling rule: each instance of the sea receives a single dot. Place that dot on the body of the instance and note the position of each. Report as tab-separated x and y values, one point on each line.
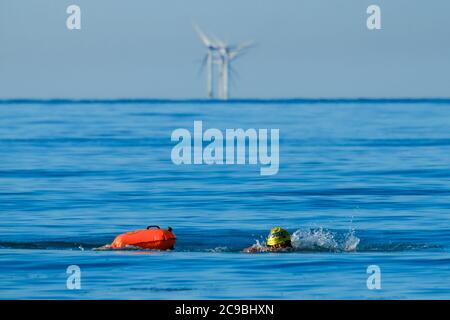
363	186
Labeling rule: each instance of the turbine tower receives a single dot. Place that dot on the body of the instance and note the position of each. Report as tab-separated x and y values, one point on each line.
211	47
227	55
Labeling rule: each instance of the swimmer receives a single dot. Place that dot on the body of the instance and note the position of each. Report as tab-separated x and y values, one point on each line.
279	240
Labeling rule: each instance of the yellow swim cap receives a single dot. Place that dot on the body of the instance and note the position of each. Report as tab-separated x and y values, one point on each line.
278	236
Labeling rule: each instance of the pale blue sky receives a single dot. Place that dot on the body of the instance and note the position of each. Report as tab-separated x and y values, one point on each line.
148	49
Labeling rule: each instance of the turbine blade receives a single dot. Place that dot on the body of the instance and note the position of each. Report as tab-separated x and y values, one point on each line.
219	43
202	65
203	37
233	72
241	49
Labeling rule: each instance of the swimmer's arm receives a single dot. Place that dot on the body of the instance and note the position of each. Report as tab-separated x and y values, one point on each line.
252	249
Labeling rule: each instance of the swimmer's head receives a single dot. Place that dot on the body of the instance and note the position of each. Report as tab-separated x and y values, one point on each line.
279	238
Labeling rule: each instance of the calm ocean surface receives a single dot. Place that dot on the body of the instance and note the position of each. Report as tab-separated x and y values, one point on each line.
72	176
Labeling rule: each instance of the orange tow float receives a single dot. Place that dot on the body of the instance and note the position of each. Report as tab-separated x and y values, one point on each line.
151	238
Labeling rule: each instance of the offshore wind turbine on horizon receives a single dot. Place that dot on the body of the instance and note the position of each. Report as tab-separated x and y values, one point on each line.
220	54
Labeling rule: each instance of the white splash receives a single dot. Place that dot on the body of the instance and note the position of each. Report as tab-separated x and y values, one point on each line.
324	240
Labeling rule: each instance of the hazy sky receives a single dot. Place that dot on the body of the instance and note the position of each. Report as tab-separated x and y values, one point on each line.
147	48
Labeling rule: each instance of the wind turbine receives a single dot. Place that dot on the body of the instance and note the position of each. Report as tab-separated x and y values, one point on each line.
211	47
218	52
227	54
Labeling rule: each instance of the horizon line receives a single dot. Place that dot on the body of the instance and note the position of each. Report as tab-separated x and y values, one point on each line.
362	100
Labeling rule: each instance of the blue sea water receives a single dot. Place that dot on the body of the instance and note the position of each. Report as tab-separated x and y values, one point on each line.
363	183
